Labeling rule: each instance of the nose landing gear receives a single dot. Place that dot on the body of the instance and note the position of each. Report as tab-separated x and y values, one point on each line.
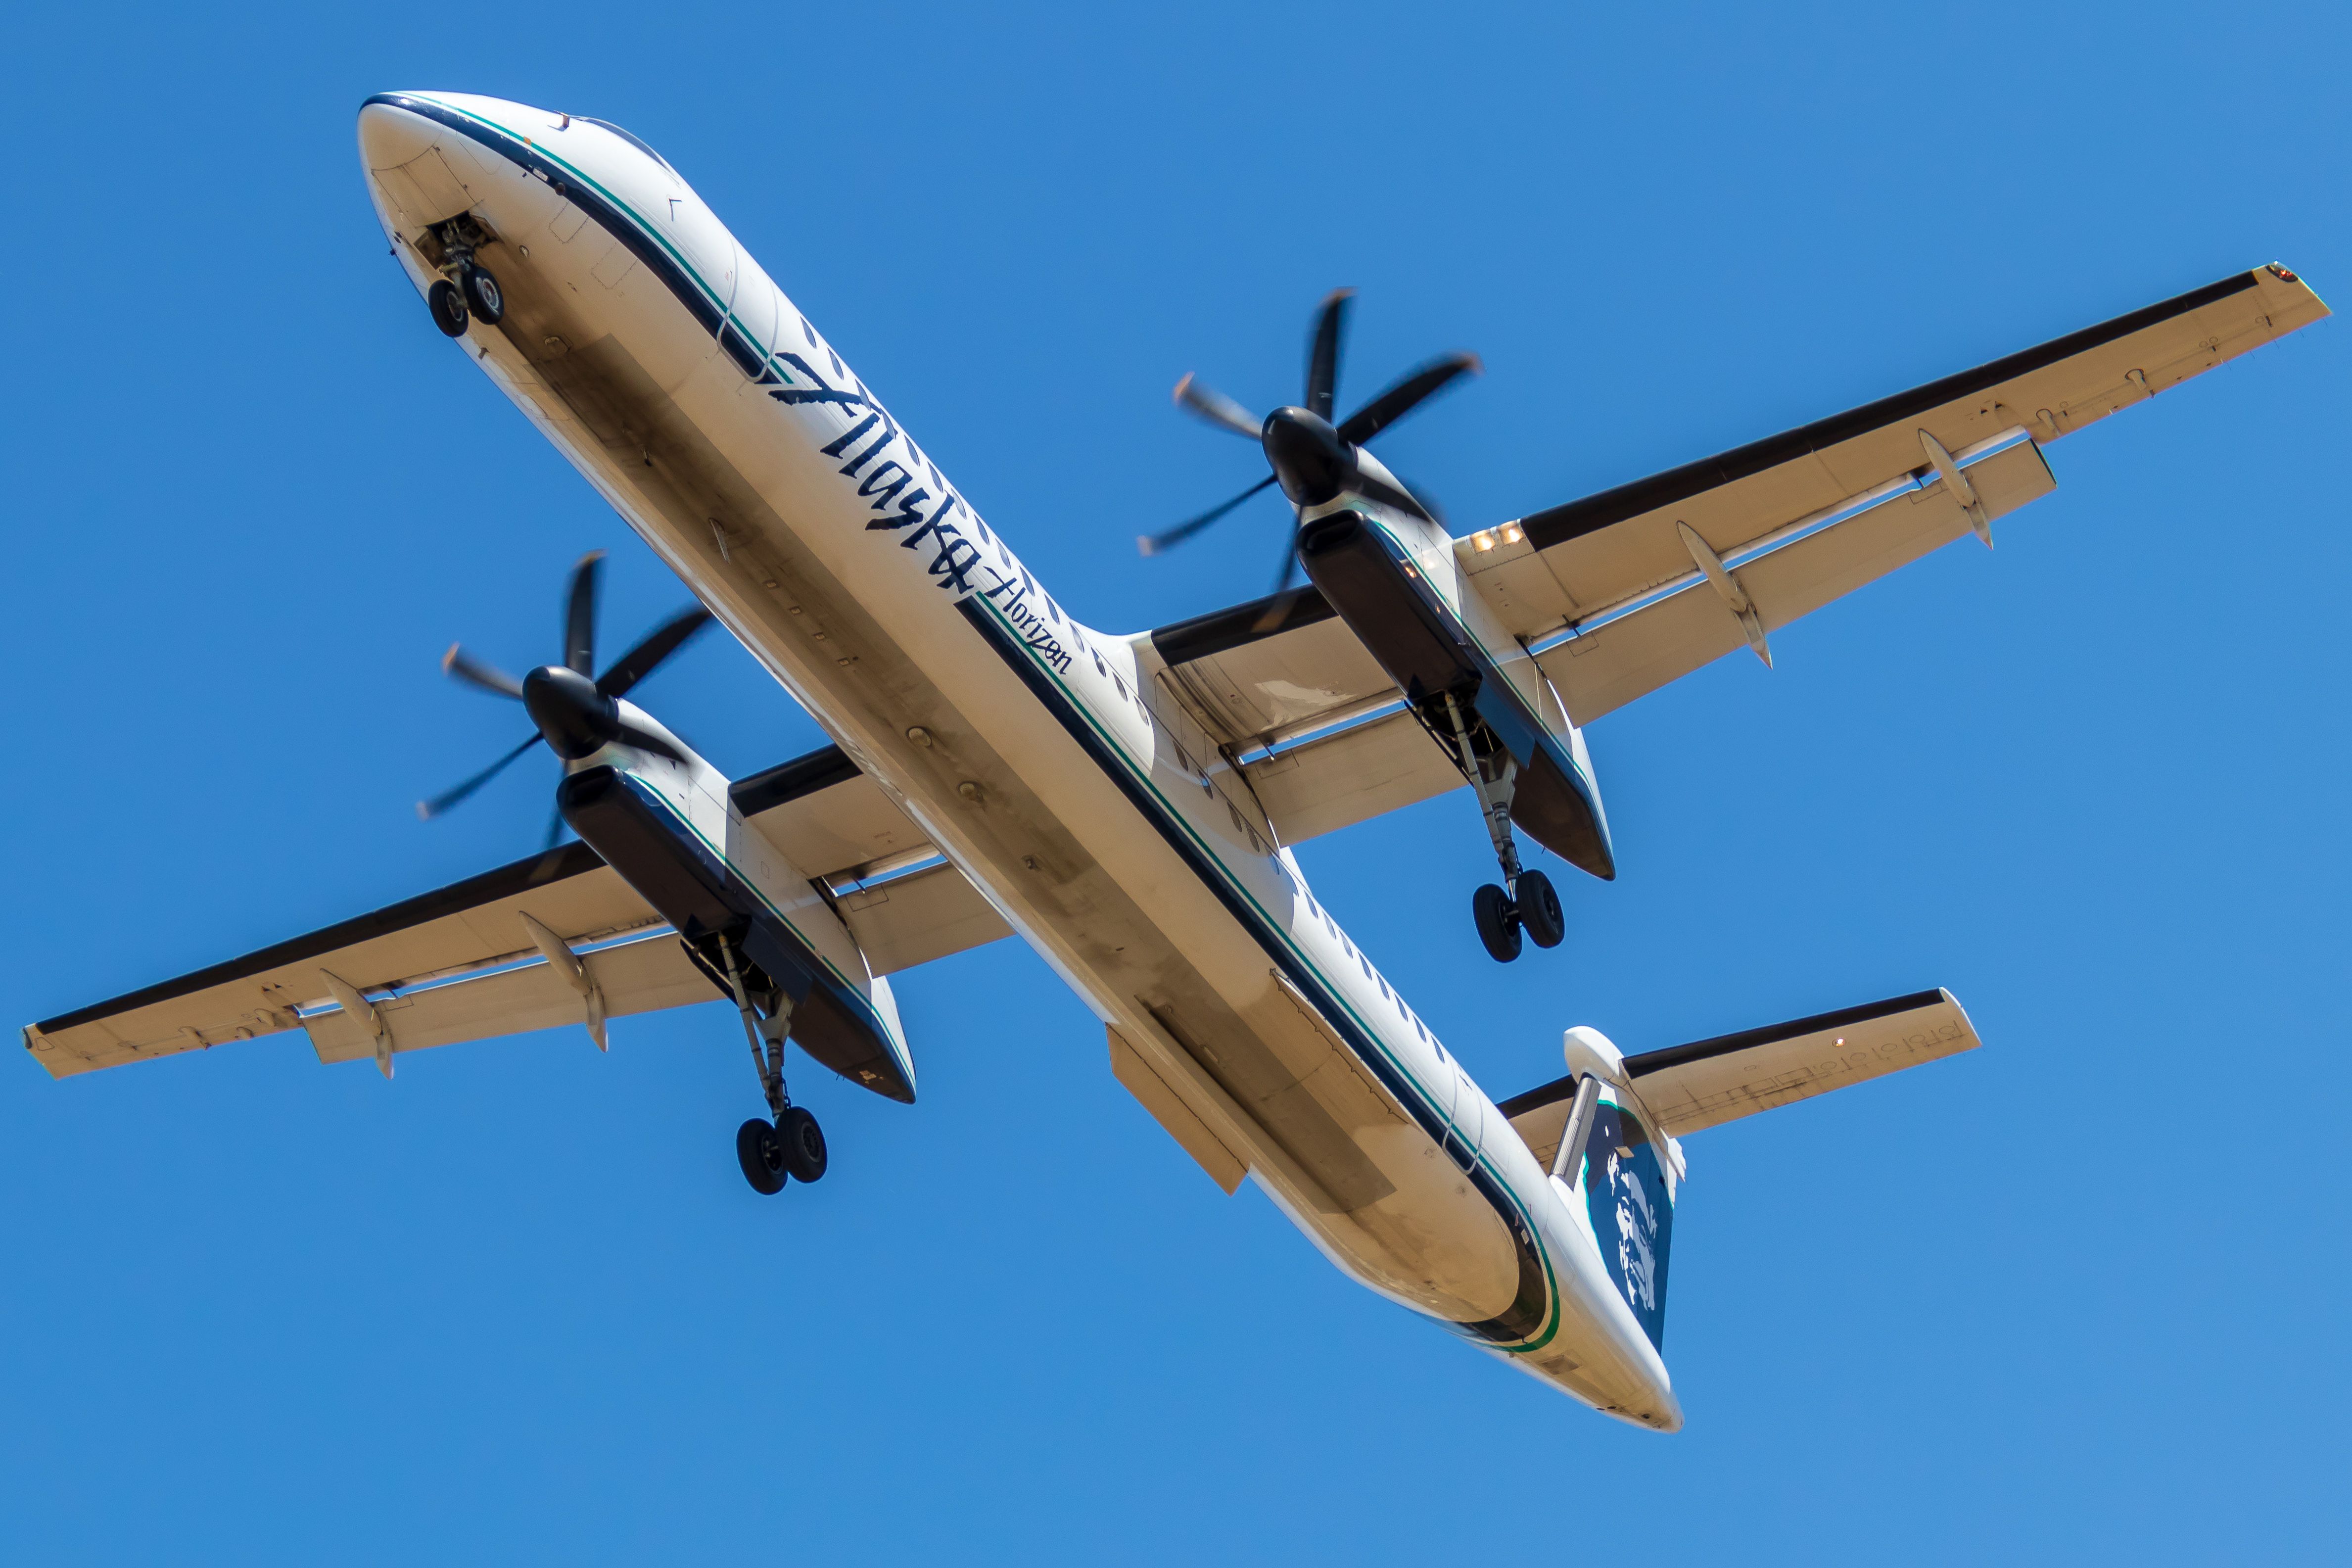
1524	902
448	307
465	290
790	1145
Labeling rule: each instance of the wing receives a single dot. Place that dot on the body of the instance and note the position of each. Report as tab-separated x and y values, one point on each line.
1798	519
1282	689
463	962
1623	591
1708	1082
896	892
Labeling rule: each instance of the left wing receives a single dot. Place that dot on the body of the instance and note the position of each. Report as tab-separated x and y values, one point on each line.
465	961
457	964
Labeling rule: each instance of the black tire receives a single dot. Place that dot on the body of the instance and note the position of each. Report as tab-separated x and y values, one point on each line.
762	1154
1498	922
1538	907
804	1142
483	295
448	307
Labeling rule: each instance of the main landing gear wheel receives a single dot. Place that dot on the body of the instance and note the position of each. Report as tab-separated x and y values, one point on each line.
1498	922
448	308
803	1144
1538	910
482	295
762	1154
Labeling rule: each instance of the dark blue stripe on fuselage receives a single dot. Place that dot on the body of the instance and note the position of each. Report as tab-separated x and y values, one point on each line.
1526	1315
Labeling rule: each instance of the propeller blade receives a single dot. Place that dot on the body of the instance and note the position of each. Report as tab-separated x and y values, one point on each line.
1155	543
1428	503
580	614
646	741
462	666
1197	397
1287	598
1402	398
429	809
1380	491
1289	565
1323	354
554	827
647	655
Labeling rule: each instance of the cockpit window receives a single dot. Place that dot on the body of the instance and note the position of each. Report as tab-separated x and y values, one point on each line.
636	142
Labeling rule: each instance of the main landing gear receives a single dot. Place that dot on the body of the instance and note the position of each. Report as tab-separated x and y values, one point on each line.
1525	903
789	1145
467	290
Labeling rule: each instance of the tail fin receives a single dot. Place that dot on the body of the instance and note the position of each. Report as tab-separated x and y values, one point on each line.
1629	1191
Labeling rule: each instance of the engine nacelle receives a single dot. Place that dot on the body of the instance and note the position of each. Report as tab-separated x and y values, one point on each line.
1415	636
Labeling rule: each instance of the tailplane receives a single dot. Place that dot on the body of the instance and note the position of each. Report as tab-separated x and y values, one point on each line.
1610	1130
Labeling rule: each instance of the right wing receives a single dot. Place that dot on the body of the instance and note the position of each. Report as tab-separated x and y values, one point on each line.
1283	690
1798	519
462	963
1613	599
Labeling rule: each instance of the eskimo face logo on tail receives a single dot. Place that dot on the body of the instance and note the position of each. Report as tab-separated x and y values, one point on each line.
1632	1218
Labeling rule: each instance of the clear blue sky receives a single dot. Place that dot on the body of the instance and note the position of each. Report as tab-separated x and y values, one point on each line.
2077	1296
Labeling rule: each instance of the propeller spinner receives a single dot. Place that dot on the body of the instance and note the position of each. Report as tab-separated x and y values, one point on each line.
577	714
1314	460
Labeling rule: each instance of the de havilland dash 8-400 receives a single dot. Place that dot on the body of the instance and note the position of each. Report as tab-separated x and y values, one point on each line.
1126	803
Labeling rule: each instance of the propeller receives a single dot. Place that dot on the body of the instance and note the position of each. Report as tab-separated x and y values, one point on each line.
576	714
1314	460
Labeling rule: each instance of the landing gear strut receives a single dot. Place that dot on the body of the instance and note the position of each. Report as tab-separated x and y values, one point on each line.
790	1145
1524	902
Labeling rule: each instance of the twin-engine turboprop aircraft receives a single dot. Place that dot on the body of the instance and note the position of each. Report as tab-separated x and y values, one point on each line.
1126	803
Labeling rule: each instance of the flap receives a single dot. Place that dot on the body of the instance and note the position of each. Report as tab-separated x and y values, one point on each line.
641	973
465	929
1567	566
1707	1082
1628	655
1350	776
913	918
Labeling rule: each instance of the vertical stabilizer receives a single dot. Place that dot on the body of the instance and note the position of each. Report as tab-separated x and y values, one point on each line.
1628	1197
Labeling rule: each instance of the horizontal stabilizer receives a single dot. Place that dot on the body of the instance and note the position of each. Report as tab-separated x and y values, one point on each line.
1703	1084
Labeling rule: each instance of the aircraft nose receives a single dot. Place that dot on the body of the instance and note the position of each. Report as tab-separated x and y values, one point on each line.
391	136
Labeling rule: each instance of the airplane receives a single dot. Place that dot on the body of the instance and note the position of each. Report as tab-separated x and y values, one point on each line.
1127	804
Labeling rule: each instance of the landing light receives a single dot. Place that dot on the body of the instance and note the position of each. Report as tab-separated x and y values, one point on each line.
1484	541
1511	535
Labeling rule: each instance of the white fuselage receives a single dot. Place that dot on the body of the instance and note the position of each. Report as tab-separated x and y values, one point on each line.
1041	757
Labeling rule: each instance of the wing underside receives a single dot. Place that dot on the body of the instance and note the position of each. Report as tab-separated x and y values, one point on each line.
465	963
